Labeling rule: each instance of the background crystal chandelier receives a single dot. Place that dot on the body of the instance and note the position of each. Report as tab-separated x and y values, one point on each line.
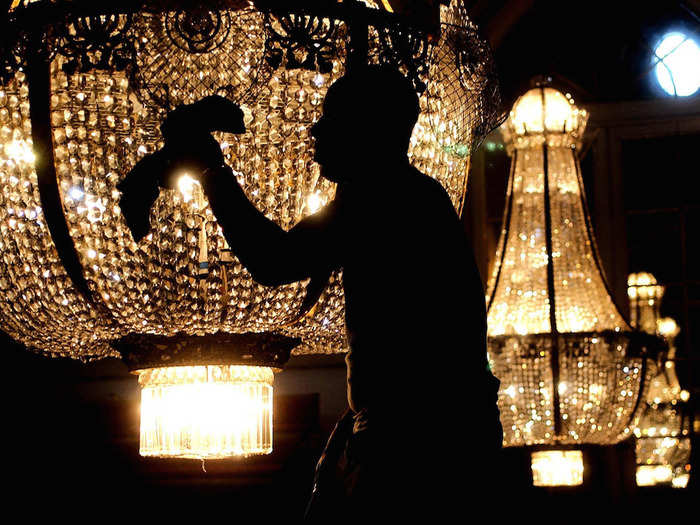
84	88
571	369
662	434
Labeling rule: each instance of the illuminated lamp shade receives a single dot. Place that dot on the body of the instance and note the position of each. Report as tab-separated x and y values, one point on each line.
557	468
206	412
546	110
84	90
649	475
572	370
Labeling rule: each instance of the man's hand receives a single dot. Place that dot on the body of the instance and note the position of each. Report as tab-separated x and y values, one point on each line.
192	155
189	147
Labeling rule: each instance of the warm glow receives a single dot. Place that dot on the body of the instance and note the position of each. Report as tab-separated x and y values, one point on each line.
182	277
557	468
19	151
645	296
188	186
680	481
592	396
314	202
648	475
667	327
518	282
545	109
643	285
206	412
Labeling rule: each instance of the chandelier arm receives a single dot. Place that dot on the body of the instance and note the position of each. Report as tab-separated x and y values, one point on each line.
39	76
506	233
591	237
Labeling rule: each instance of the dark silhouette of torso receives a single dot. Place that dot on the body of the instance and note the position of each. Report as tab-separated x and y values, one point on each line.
423	402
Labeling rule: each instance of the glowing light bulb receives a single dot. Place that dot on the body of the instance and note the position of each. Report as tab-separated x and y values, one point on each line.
314	202
76	193
667	327
20	151
187	186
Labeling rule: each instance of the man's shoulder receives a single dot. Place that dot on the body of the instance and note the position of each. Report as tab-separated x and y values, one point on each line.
427	189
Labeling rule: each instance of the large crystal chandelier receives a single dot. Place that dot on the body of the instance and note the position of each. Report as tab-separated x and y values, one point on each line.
571	369
663	442
84	88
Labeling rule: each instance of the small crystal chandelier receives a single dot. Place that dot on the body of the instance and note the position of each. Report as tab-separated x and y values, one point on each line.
84	88
571	369
663	443
645	296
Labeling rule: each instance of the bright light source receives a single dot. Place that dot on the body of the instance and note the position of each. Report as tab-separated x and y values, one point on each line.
668	328
314	202
649	475
677	59
20	151
187	186
76	193
545	110
206	412
557	468
680	481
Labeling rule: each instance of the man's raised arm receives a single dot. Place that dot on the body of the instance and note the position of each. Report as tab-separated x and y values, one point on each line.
272	255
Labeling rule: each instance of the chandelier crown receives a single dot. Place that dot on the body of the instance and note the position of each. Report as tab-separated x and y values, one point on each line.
544	113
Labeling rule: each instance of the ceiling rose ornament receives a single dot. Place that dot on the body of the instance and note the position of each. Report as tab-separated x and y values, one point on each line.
572	370
85	90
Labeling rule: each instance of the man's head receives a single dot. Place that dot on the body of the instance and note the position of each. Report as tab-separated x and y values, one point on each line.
368	117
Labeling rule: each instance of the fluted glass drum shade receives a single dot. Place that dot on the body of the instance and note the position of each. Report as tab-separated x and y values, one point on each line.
103	118
206	412
571	369
557	468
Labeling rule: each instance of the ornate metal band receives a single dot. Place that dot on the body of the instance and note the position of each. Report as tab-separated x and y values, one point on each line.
641	344
141	351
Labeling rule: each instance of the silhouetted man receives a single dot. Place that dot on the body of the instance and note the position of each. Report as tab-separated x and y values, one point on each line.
423	414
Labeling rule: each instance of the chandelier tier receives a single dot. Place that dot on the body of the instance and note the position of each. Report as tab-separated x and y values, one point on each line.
571	369
84	88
